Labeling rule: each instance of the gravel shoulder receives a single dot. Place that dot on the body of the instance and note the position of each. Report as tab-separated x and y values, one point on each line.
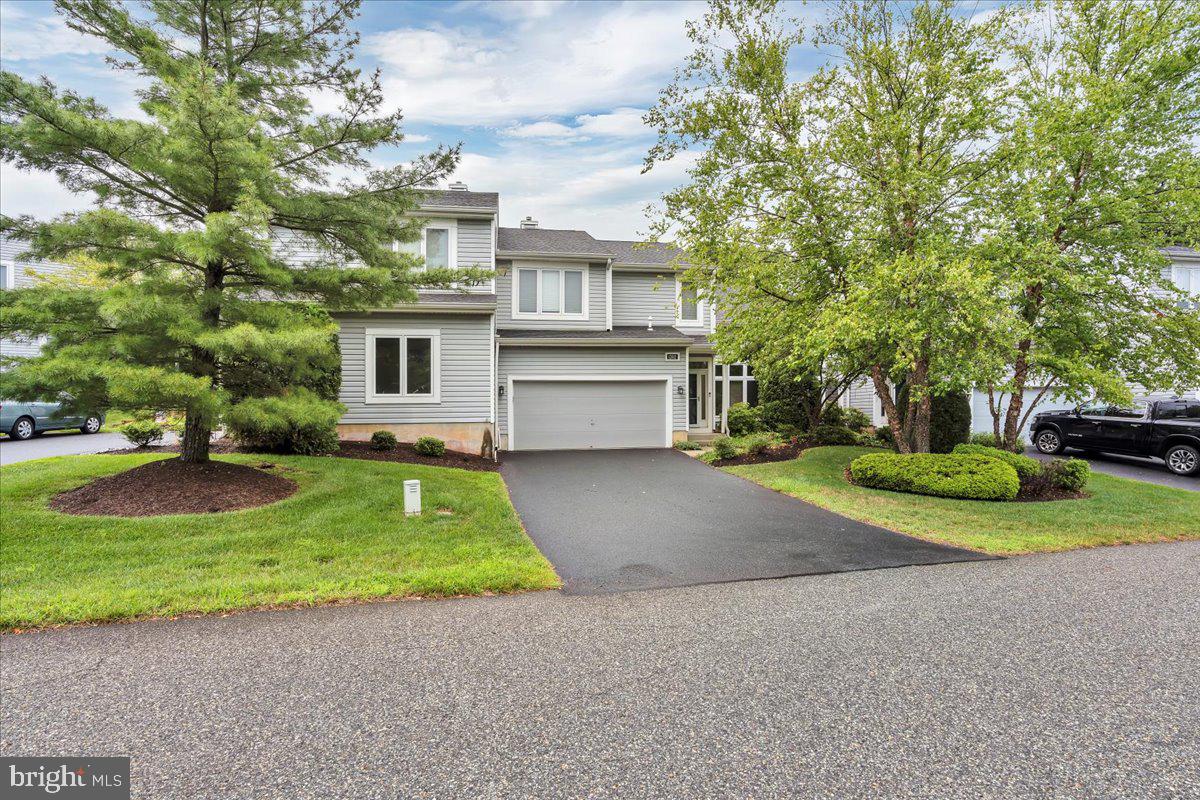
1065	675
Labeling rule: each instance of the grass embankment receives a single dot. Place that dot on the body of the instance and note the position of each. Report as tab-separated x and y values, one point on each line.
1119	511
342	536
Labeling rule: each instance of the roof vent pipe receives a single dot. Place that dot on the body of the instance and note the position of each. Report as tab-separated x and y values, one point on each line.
458	186
529	222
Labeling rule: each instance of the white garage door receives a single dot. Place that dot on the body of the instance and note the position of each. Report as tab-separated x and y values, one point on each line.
578	415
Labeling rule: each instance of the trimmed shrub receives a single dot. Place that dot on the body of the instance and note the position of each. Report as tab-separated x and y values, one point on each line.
430	446
1026	467
834	416
743	419
1068	474
142	432
758	444
687	444
383	440
884	434
724	448
855	420
949	422
991	440
832	435
938	475
300	423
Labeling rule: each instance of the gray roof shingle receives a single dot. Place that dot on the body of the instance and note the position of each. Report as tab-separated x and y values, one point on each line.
450	198
548	240
627	252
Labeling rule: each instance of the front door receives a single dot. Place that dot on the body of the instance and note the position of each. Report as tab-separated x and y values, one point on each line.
698	410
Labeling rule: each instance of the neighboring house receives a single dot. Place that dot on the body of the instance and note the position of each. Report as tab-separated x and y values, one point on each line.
577	343
17	273
1184	272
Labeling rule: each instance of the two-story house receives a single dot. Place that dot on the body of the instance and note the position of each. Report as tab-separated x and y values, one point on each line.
20	273
577	343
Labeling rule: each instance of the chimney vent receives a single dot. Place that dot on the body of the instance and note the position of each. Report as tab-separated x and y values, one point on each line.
529	222
458	186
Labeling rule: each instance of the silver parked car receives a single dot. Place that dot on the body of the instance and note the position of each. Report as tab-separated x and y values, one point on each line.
23	420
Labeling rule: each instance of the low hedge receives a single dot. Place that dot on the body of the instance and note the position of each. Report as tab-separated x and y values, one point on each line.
832	435
968	477
1026	467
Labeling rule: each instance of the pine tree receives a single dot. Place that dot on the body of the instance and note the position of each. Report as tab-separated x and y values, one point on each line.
192	289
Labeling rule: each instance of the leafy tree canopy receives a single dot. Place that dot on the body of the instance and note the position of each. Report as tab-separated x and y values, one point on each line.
228	215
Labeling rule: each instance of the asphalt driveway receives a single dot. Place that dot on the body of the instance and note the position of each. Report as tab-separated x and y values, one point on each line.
618	520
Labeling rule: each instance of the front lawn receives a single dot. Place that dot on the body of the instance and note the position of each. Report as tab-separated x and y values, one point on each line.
343	535
1120	511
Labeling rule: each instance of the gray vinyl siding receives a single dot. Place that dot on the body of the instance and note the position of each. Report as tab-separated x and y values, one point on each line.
639	297
466	348
24	274
596	288
861	395
981	415
599	361
475	243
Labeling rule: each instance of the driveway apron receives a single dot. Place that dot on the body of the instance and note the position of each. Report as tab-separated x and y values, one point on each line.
619	520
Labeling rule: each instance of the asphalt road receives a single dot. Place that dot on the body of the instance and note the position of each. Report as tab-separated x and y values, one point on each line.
1070	675
62	444
615	520
1151	470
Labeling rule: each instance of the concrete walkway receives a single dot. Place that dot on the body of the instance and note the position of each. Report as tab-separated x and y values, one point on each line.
615	520
1070	675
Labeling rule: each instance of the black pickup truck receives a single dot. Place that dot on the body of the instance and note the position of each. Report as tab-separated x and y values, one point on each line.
1166	429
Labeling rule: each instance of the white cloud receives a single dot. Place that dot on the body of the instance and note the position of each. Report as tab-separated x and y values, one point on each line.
28	37
594	188
620	123
37	193
416	138
576	60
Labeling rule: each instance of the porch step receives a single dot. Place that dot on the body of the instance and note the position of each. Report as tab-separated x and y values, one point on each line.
703	438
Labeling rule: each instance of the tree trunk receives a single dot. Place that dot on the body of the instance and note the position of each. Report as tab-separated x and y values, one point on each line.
1016	400
920	404
196	434
889	407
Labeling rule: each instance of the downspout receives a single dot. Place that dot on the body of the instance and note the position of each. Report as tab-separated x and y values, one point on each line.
492	390
608	306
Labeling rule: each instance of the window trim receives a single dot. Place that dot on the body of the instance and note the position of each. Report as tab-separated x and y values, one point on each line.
515	292
10	275
435	348
1177	271
701	320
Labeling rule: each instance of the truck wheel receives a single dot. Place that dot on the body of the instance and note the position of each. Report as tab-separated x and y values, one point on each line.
1182	459
22	429
91	424
1049	442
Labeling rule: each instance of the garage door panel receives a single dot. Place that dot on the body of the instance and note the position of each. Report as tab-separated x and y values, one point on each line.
574	415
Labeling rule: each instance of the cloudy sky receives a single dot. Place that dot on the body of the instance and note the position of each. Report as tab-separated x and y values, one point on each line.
546	97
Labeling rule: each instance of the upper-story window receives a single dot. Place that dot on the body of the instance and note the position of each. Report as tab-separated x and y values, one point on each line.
550	292
1188	279
437	244
691	307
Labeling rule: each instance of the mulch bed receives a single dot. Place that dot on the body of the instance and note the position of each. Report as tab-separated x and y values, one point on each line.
173	487
780	452
405	454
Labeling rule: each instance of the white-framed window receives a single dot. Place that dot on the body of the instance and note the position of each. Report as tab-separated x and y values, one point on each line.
403	366
8	274
690	307
555	292
1188	279
437	244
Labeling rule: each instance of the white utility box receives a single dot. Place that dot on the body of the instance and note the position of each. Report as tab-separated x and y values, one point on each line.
412	497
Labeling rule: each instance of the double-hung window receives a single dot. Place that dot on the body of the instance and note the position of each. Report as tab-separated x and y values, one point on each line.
1188	279
550	292
691	307
403	366
436	244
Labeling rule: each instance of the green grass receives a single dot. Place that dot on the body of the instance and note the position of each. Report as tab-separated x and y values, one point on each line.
342	536
1120	511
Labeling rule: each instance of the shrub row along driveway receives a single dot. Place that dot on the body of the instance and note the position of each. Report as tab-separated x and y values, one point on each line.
614	520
